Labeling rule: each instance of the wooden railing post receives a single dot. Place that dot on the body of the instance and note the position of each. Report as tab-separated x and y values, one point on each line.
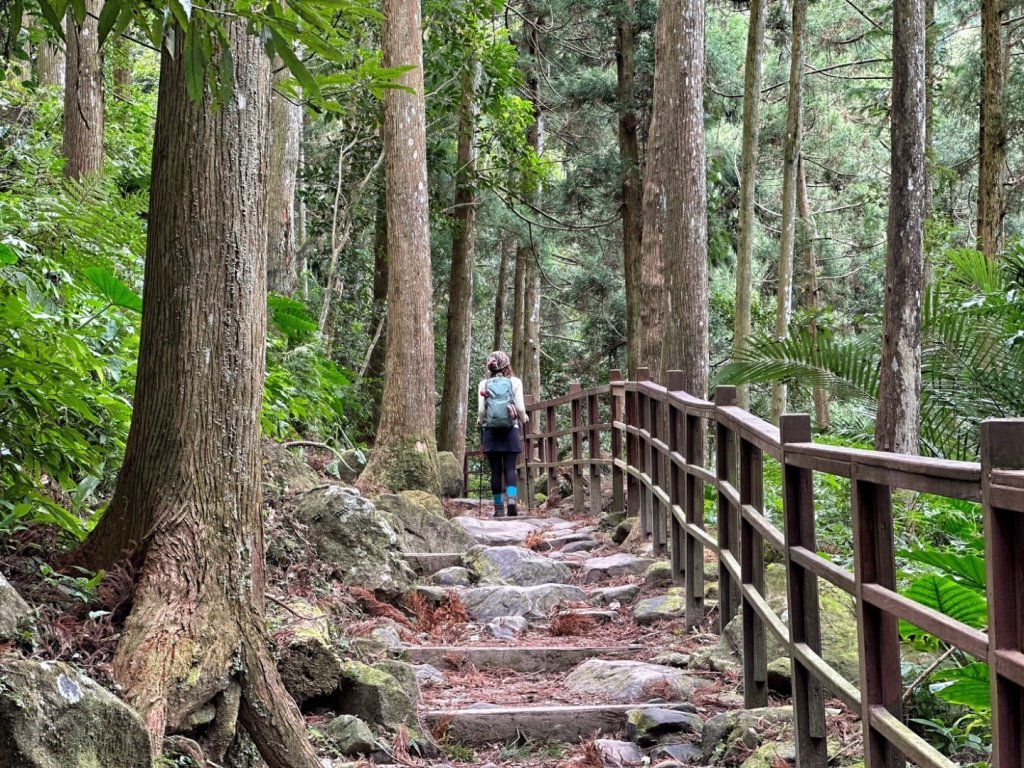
1002	447
675	436
755	640
728	527
804	619
633	458
642	454
594	445
617	408
551	451
655	465
577	447
528	471
693	448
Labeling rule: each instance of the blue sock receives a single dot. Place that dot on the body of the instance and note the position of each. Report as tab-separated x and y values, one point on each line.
512	493
499	499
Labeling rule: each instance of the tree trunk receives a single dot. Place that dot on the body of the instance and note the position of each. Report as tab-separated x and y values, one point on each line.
794	128
896	428
748	179
374	369
187	501
83	96
286	138
992	157
522	264
507	251
531	351
808	234
405	450
51	65
682	201
455	392
632	182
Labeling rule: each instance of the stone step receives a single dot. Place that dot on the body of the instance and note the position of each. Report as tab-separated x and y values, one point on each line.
561	722
429	563
555	658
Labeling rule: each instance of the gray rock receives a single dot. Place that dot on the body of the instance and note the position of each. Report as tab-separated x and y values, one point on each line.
671	659
685	753
351	736
351	464
387	636
645	725
452	577
428	674
285	471
355	538
420	521
583	545
722	730
659	574
514	565
628	682
374	696
404	673
618	753
606	595
610	520
507	627
620	564
449	472
13	609
624	529
486	603
671	605
52	716
496	532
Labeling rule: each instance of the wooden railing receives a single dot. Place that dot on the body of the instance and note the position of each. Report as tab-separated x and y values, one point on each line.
649	441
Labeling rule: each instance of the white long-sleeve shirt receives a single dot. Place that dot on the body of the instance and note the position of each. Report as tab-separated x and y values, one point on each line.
517	394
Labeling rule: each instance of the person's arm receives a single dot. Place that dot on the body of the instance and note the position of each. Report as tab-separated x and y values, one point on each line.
480	406
520	402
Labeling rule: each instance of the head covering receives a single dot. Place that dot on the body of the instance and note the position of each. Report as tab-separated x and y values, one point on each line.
497	362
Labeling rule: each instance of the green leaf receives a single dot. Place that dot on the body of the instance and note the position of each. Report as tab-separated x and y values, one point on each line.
8	255
53	16
182	11
970	568
284	49
970	687
113	290
108	16
79	11
195	62
947	596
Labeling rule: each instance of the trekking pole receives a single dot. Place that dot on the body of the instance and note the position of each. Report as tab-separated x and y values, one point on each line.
480	472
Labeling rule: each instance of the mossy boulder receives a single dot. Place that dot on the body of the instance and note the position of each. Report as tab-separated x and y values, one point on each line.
350	735
723	733
659	574
285	471
624	529
14	611
629	682
671	605
769	755
374	696
647	724
487	603
514	565
350	534
404	673
307	661
350	464
421	524
449	474
52	716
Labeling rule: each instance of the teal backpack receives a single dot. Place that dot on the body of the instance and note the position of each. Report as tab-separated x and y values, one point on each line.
498	407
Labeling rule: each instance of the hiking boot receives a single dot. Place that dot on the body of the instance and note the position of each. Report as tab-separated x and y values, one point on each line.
499	510
512	511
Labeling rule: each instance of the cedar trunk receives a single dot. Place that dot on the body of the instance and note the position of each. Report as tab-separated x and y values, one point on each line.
508	247
282	235
992	140
83	95
632	182
896	428
680	200
748	179
51	65
807	237
405	450
455	392
791	156
187	501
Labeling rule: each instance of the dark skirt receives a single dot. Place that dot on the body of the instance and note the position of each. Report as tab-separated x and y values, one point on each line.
502	440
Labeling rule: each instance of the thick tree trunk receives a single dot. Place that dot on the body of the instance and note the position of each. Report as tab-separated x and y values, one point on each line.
791	152
808	234
51	65
508	249
748	179
679	66
375	359
83	96
187	501
282	243
632	182
455	392
405	450
896	428
992	157
519	307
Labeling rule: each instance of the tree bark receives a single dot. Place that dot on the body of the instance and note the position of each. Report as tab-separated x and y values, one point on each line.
679	196
808	234
992	140
374	373
455	392
187	504
507	251
632	182
83	95
286	139
794	129
519	307
896	428
405	450
748	180
51	64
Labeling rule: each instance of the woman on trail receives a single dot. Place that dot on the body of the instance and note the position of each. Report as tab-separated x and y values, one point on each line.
500	410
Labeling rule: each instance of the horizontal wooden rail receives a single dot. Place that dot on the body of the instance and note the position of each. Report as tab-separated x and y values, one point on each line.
652	443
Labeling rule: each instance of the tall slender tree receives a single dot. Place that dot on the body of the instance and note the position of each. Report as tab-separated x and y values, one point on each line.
992	139
454	393
186	507
679	195
806	236
285	145
405	450
500	289
83	94
897	428
748	179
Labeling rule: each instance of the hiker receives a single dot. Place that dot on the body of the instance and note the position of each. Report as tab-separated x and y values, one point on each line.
500	410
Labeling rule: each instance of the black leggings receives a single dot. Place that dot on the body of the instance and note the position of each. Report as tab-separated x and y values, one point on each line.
503	470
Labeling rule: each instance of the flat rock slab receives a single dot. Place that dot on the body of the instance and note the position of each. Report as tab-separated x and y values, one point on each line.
486	603
514	565
427	563
626	681
497	531
671	605
607	595
502	724
556	658
621	564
